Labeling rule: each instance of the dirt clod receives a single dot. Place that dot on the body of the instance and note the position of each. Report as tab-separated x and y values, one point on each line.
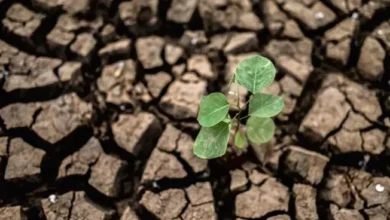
260	200
135	133
305	164
165	205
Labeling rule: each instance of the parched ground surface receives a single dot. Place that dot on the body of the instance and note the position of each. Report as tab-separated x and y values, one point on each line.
98	100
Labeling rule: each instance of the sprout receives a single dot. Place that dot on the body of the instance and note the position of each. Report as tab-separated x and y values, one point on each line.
255	74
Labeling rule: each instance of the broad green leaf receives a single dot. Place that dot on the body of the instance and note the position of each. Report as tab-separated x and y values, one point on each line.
213	109
255	73
240	140
265	105
260	130
212	142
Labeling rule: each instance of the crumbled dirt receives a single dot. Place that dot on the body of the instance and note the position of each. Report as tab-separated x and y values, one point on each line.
99	99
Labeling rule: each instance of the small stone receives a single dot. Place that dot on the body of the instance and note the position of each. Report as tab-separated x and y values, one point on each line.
76	6
149	51
238	180
319	15
157	82
241	43
201	65
181	10
136	133
304	164
173	53
379	188
165	205
53	198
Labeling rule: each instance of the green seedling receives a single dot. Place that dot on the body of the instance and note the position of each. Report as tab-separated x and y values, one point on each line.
255	74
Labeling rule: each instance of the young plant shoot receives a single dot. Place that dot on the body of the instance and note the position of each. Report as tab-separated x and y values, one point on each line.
255	74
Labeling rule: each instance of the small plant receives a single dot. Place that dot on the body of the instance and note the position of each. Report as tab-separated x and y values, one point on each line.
255	74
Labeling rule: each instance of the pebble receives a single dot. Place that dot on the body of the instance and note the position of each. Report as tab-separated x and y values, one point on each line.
379	188
355	15
53	198
319	15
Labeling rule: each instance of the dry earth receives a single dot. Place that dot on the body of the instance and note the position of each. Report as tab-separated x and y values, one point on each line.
98	100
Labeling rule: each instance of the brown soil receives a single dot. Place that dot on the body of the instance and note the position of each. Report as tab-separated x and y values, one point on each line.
98	100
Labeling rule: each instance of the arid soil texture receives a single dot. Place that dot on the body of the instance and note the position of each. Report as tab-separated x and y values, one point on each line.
99	98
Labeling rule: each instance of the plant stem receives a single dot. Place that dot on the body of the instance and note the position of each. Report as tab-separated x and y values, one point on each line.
244	117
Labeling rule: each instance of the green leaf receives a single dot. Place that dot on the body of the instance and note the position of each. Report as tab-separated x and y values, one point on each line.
240	140
227	119
255	73
260	130
265	105
213	109
212	142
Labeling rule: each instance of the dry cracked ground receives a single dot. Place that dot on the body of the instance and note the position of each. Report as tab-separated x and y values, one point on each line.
98	100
